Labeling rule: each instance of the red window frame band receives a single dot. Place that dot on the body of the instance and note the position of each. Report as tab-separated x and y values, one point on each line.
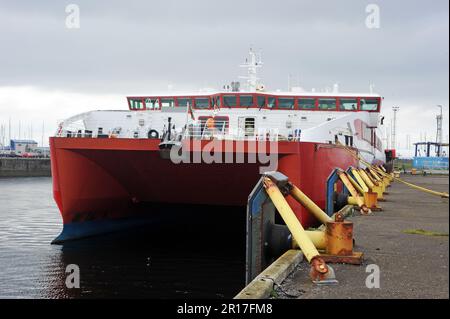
220	98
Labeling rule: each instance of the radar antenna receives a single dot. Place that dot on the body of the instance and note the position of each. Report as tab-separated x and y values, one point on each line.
252	66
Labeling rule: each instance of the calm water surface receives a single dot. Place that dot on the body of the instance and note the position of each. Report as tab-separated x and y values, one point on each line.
143	263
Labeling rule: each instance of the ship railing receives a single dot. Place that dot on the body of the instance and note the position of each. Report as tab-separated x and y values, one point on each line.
222	132
200	134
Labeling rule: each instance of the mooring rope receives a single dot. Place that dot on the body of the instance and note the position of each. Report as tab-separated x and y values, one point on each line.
423	189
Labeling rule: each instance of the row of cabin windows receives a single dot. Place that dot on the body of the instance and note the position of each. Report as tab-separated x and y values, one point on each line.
286	103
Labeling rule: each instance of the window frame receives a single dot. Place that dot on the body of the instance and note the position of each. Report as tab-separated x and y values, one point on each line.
216	97
230	106
136	98
315	98
167	98
220	97
336	109
194	99
275	107
378	99
244	106
158	103
348	97
265	101
286	97
183	97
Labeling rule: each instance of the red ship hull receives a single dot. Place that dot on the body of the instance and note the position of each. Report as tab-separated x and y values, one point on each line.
111	179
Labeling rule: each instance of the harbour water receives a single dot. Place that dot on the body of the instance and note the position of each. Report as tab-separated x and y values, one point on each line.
142	263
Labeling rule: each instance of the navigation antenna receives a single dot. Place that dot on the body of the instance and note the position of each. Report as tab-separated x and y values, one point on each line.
394	127
252	66
439	131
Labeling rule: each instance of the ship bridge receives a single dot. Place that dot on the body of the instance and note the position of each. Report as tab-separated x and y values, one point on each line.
273	101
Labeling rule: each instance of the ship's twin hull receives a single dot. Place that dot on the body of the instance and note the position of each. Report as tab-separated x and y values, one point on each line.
99	184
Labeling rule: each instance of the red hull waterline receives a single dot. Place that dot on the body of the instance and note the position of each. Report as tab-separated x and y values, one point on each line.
109	179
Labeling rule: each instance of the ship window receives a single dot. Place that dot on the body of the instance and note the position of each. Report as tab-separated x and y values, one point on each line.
151	103
246	126
348	104
201	103
136	104
327	104
246	100
167	102
261	100
369	104
307	104
271	102
183	101
286	103
229	100
216	101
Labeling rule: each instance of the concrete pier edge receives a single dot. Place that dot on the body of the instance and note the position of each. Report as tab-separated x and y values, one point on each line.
24	167
262	286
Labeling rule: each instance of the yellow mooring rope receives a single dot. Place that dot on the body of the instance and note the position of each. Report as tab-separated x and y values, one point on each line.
423	189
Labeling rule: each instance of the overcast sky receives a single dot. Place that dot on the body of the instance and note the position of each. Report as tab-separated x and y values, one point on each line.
49	72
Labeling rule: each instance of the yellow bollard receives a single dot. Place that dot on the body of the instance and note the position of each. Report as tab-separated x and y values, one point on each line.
370	200
386	182
353	200
376	179
352	190
391	176
371	185
366	178
317	237
315	210
385	174
355	184
382	173
374	174
307	247
360	180
320	271
379	190
370	176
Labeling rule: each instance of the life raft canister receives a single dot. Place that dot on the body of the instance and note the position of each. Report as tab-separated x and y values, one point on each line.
153	134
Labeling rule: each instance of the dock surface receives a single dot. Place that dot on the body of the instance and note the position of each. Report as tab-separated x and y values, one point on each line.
411	265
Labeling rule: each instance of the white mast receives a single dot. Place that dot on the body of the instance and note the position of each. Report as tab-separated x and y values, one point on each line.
439	130
252	67
394	127
439	126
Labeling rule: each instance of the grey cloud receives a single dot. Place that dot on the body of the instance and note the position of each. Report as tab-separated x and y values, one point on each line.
131	47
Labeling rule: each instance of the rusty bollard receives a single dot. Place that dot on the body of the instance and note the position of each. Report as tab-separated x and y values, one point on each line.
339	234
